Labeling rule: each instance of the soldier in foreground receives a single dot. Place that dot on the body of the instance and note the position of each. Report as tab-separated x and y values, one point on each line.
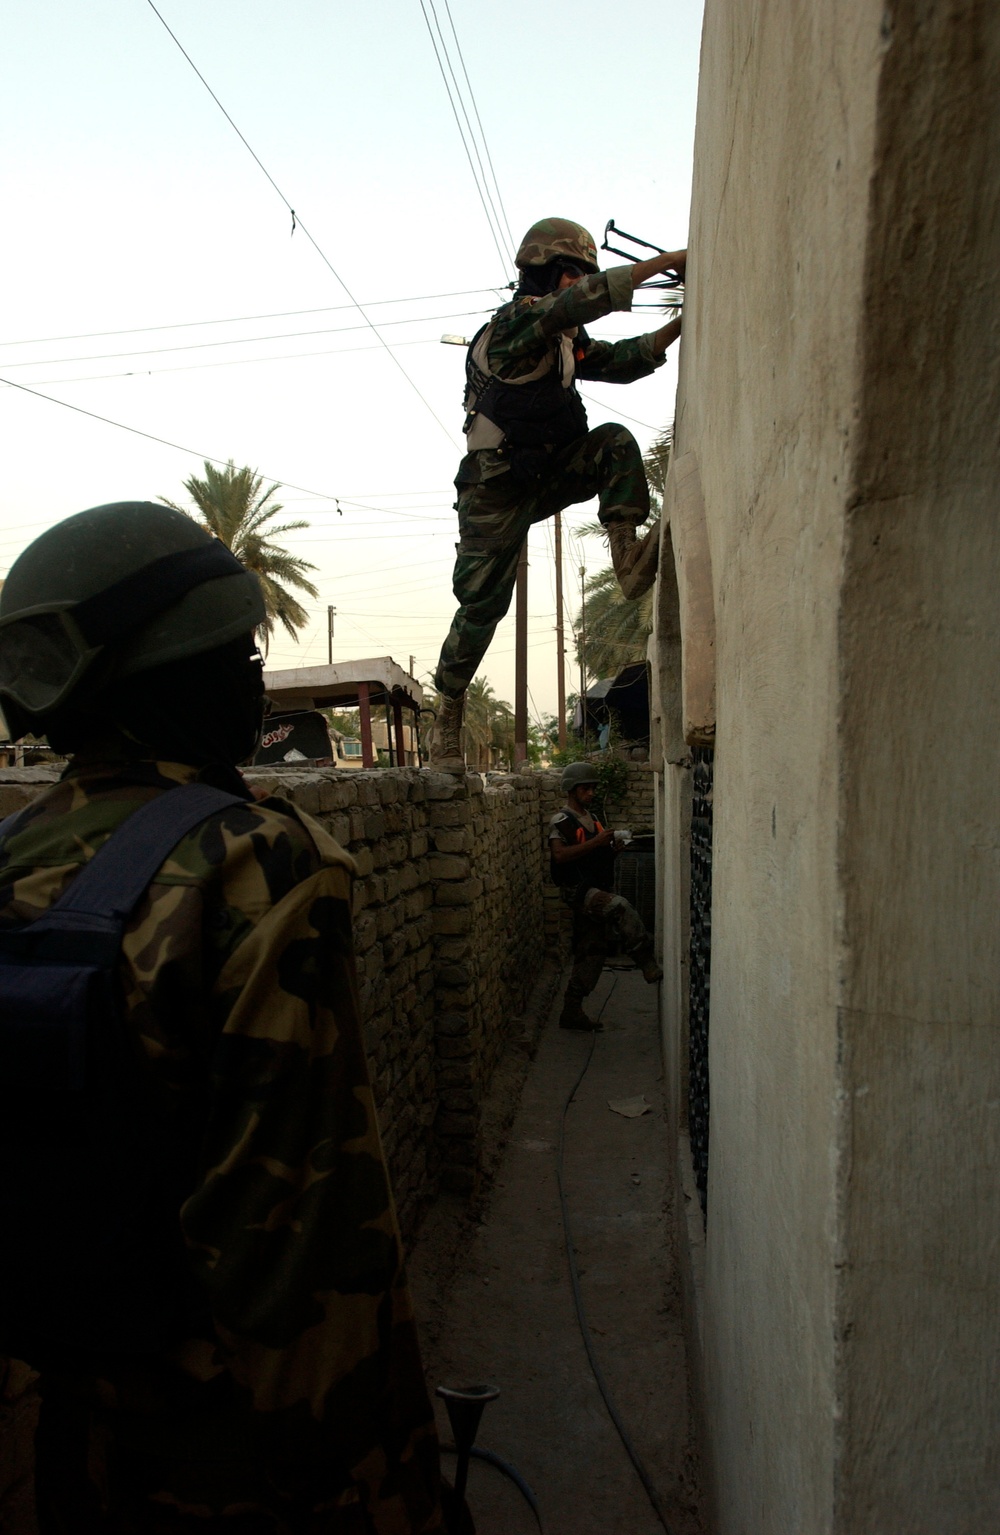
283	1389
582	862
529	452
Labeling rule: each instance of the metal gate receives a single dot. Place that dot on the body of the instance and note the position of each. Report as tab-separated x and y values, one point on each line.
703	758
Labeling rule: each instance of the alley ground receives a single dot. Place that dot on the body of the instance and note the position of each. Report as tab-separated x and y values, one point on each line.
495	1303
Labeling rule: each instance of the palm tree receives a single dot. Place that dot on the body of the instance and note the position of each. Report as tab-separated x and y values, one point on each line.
615	629
233	505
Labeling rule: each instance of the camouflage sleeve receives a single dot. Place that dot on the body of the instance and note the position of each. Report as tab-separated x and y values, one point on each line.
619	362
528	324
293	1230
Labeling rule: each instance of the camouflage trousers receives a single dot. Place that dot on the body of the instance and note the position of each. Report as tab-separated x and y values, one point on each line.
596	933
493	521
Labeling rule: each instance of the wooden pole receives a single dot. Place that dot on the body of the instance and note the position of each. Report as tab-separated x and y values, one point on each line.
365	711
397	719
583	641
560	636
521	659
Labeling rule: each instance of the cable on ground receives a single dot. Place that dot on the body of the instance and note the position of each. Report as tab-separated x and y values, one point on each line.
581	1315
509	1471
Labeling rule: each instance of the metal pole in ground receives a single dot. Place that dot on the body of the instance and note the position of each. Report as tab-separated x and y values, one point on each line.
560	635
521	659
583	641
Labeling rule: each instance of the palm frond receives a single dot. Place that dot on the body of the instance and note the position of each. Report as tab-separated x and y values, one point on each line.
235	507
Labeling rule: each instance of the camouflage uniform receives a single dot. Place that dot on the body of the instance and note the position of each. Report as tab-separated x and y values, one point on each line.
495	508
304	1409
596	932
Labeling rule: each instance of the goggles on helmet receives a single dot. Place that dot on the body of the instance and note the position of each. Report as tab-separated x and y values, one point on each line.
46	651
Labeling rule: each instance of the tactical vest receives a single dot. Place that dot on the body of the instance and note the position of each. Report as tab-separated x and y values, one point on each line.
594	873
529	418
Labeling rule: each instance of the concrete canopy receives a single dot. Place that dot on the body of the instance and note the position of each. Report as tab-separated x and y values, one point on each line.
347	685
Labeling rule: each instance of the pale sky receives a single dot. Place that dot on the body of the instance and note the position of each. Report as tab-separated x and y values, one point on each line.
131	206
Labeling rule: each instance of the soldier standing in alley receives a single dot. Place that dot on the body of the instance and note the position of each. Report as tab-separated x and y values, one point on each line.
284	1389
581	863
529	452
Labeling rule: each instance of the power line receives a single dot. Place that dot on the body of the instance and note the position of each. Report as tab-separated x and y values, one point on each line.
482	133
297	222
483	191
229	362
634	419
240	319
166	443
199	346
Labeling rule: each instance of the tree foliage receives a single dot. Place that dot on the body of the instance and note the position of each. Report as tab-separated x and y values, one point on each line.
614	630
488	729
234	506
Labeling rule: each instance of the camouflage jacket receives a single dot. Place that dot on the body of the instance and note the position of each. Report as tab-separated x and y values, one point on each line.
308	1399
527	328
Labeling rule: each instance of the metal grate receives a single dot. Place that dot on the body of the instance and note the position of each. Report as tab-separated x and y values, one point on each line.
635	878
703	759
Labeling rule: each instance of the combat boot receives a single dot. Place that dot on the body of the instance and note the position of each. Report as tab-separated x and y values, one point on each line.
445	744
633	558
574	1017
645	959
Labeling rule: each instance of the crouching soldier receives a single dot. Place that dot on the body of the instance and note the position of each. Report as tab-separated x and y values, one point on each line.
581	862
201	1256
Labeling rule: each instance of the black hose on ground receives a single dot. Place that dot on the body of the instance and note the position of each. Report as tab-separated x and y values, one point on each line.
581	1315
511	1472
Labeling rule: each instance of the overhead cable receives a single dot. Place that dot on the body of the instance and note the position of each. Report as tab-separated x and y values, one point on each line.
482	132
166	443
229	362
482	187
297	223
199	346
241	319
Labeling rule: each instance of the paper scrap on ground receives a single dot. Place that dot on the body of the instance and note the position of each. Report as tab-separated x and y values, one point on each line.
632	1108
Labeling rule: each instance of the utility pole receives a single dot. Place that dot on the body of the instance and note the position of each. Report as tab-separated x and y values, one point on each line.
331	614
560	636
521	659
583	643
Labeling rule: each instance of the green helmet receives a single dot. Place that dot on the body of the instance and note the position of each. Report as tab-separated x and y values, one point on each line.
577	774
550	238
113	591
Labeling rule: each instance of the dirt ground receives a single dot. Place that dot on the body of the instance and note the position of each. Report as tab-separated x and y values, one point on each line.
494	1298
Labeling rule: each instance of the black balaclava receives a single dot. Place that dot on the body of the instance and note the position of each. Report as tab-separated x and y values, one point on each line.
536	281
206	709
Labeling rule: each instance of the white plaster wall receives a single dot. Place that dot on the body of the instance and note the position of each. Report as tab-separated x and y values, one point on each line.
768	401
920	843
840	399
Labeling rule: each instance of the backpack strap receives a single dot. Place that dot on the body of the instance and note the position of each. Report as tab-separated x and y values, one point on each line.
8	823
119	872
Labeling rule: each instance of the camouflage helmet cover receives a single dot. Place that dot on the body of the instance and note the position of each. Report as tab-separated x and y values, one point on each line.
551	238
133	583
577	774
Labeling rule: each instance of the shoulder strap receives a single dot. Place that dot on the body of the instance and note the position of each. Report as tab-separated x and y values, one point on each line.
9	822
114	879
